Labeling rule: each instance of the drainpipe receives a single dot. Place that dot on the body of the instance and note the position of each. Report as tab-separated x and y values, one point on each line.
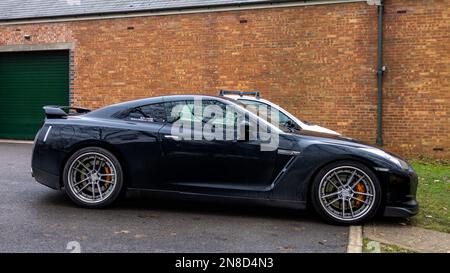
380	71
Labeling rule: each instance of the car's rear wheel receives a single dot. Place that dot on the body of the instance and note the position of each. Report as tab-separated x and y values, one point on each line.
346	193
93	177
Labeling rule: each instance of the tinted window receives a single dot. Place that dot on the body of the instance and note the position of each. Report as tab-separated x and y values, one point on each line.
227	118
180	110
147	113
184	111
263	112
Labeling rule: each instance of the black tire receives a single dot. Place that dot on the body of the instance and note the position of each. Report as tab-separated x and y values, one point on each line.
327	211
113	194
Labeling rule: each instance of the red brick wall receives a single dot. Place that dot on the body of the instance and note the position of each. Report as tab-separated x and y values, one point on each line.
319	62
417	83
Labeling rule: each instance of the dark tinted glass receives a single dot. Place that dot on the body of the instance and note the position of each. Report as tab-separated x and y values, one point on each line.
148	113
265	110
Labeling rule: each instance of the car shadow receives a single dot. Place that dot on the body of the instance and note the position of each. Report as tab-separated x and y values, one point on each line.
54	199
214	207
179	204
392	221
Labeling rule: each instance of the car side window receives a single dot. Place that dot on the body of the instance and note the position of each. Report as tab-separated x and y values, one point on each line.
147	113
180	110
282	118
184	111
228	118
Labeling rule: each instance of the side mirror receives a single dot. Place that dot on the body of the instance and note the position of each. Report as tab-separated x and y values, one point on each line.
291	124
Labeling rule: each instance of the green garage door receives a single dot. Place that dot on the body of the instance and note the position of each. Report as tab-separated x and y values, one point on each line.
28	81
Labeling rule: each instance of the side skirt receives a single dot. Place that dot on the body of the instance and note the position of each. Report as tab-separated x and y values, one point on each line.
215	198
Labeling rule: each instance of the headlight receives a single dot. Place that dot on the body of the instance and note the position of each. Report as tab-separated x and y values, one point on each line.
397	161
403	164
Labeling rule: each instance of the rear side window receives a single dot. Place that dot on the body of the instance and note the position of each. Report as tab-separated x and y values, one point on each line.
147	113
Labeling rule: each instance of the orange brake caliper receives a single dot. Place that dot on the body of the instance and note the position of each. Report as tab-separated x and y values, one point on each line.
108	178
360	188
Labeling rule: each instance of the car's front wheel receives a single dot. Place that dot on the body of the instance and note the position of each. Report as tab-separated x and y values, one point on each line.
346	192
93	177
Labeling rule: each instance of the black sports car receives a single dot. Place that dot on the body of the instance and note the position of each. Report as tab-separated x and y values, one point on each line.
97	155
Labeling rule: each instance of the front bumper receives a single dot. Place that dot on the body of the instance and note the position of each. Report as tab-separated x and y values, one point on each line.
401	191
407	209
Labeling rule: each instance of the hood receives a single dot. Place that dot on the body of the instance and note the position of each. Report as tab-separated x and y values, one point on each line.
339	139
332	136
319	129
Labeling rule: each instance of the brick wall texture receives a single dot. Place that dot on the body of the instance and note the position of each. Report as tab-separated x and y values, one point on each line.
318	62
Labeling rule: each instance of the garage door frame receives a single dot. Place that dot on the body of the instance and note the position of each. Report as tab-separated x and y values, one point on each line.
48	47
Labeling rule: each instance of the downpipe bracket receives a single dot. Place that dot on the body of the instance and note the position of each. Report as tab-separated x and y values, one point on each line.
380	71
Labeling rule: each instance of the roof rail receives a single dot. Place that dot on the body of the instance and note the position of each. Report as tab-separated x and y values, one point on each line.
240	93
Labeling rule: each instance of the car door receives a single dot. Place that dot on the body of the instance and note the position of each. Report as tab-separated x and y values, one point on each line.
201	162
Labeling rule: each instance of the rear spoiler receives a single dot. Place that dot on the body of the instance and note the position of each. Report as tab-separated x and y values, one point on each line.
52	111
239	93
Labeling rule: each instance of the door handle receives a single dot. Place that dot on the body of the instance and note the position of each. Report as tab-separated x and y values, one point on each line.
172	137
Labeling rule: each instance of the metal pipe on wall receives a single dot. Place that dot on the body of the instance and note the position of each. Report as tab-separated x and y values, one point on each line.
380	73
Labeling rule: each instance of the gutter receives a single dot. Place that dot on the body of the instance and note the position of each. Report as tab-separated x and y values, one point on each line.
173	11
380	73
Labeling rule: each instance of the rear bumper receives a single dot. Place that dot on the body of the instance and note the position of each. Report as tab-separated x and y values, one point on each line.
45	161
47	179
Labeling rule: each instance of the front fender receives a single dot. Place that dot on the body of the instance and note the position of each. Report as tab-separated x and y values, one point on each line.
313	157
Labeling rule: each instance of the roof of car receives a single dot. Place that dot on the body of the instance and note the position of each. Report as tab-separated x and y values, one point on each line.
187	97
242	97
17	9
111	109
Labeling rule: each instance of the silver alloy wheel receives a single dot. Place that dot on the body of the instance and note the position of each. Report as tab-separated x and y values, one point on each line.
347	193
92	177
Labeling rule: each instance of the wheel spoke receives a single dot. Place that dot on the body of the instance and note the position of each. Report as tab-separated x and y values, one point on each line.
357	199
343	207
351	178
334	201
339	179
83	165
331	194
363	193
81	181
351	208
80	171
99	191
106	181
332	183
100	165
93	164
87	184
357	182
107	174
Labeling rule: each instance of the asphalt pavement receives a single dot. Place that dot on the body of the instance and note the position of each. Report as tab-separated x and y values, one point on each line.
34	218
